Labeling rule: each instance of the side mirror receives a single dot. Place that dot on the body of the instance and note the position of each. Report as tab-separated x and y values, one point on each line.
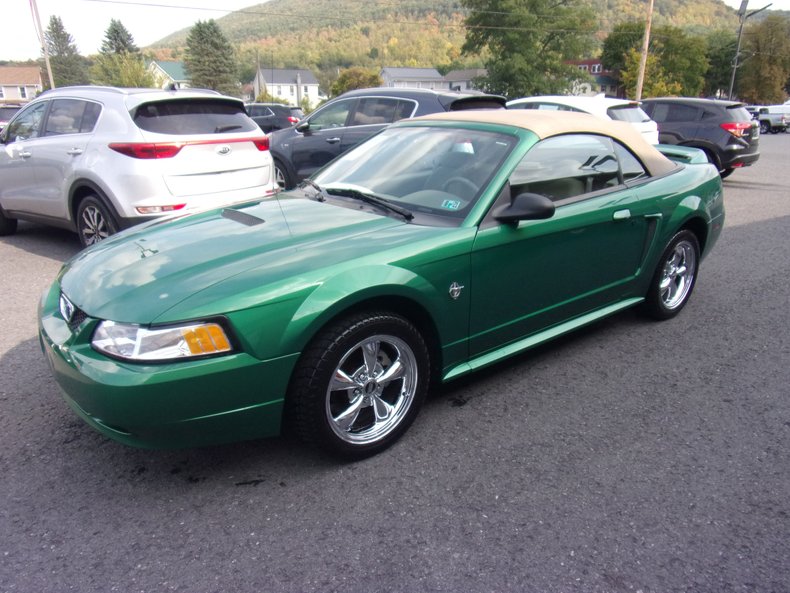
303	126
525	206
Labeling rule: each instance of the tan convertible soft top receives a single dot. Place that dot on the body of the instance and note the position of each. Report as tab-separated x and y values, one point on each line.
545	124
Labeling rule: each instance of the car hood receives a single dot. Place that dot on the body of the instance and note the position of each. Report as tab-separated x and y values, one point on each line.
138	275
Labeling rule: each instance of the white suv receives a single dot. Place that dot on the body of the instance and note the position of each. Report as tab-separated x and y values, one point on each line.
599	106
99	159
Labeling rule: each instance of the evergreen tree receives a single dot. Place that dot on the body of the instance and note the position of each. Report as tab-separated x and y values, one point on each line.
68	66
209	59
117	40
528	43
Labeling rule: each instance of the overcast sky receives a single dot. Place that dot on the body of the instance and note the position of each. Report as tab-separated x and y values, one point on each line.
146	20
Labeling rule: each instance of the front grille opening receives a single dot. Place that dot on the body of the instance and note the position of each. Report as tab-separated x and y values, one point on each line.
76	319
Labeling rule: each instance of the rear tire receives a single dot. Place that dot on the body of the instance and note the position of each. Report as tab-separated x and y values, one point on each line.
7	225
94	221
282	177
674	278
359	385
726	172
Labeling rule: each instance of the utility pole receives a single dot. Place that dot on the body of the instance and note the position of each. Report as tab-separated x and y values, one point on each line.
742	16
40	33
640	78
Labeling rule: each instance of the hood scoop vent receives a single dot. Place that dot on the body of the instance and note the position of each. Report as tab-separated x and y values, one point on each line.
242	217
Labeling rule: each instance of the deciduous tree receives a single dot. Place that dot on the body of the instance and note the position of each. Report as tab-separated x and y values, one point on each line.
765	61
679	60
528	42
355	78
121	70
721	50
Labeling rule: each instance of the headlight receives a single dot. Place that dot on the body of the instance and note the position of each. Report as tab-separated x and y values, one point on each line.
133	342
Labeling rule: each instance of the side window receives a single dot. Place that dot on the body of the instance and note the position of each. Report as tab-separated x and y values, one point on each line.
405	109
674	112
332	116
27	124
374	111
567	166
630	166
90	117
66	117
554	107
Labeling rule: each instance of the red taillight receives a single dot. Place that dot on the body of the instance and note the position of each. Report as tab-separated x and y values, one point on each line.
293	120
147	150
736	128
166	150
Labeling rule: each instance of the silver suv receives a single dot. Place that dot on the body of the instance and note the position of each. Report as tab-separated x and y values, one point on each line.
98	159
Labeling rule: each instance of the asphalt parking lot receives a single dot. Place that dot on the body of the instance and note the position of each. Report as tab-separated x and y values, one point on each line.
634	456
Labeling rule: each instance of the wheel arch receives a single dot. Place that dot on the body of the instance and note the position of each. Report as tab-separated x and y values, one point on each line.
374	288
83	188
699	227
709	149
404	305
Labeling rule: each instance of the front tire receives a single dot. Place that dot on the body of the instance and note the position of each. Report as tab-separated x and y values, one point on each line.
359	385
674	278
94	221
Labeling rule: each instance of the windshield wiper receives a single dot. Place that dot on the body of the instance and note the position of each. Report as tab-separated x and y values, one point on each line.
319	195
369	198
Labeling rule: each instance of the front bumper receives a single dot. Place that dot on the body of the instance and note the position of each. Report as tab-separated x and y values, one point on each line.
185	404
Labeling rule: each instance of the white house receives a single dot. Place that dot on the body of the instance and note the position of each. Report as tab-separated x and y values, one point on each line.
288	85
464	80
19	84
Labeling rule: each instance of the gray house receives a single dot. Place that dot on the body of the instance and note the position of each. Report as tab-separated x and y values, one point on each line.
415	78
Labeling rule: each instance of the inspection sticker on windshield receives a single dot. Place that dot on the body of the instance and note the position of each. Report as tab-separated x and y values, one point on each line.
451	204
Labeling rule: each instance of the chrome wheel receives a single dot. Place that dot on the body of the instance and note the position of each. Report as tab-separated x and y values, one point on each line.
372	389
94	226
674	277
279	178
677	276
94	222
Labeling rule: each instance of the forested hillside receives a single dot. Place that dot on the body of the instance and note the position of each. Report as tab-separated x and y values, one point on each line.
327	35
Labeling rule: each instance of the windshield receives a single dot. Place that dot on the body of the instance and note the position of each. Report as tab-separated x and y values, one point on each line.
193	116
437	174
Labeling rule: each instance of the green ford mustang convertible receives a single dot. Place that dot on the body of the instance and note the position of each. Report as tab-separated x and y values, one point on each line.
440	246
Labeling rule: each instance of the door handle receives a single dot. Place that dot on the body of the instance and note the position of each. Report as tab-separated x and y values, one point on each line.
25	154
74	151
622	215
333	140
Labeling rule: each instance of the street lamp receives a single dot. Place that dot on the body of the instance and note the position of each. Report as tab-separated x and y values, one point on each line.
742	16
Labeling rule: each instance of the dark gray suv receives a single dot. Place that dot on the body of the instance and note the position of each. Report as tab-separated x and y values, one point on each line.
725	130
347	120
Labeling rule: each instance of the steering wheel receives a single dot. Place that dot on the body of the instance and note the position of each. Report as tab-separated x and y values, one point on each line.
461	184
